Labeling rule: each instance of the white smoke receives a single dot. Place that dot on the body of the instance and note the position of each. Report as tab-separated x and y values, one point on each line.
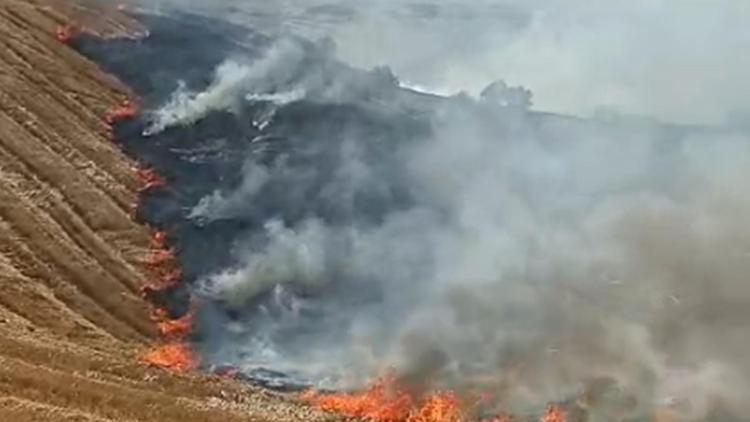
233	81
541	254
539	260
640	57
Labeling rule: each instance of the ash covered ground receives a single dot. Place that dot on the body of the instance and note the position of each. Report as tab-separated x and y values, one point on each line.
333	223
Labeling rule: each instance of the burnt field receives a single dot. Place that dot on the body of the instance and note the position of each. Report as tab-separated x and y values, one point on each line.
330	224
210	155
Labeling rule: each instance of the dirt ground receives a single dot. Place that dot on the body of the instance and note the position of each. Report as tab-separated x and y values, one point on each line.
71	318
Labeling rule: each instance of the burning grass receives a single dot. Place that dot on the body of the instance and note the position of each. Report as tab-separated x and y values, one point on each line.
386	401
162	281
158	239
148	180
174	329
176	357
176	354
160	258
66	33
127	110
553	414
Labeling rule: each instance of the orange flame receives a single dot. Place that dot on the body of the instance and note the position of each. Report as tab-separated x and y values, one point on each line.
125	111
442	407
160	258
149	179
66	33
165	280
158	239
500	418
553	414
384	401
175	357
177	328
162	263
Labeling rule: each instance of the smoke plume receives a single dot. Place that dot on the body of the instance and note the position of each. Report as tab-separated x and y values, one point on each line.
638	57
472	243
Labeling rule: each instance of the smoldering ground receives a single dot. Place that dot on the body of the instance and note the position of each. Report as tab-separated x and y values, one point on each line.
467	242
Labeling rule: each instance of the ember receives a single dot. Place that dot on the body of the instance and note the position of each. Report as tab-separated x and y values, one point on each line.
160	258
501	418
384	401
125	111
443	407
66	33
164	281
175	357
149	179
162	262
158	239
177	328
553	414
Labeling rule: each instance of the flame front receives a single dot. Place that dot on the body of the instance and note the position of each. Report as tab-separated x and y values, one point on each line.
127	110
382	402
385	401
553	414
177	328
66	33
149	179
176	357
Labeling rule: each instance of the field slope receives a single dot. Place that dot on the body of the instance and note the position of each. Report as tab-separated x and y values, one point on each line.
71	318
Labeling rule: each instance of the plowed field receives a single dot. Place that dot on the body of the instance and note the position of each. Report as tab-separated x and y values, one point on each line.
71	318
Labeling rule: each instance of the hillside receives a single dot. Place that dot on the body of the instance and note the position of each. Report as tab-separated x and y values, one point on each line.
71	317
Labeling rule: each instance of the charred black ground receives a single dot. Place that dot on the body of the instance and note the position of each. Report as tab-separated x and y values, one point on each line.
208	156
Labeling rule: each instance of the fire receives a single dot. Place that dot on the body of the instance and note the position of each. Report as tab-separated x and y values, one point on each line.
443	407
162	263
125	111
164	281
384	401
66	33
175	357
158	239
160	258
553	414
501	418
177	328
149	179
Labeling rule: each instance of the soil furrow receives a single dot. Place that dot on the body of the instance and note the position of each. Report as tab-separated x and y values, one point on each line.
81	144
42	272
106	255
71	263
72	322
103	399
20	410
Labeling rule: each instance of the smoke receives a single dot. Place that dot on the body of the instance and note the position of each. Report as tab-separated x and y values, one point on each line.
232	77
473	244
534	256
639	57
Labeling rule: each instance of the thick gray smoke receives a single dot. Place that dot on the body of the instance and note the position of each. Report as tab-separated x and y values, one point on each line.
541	258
